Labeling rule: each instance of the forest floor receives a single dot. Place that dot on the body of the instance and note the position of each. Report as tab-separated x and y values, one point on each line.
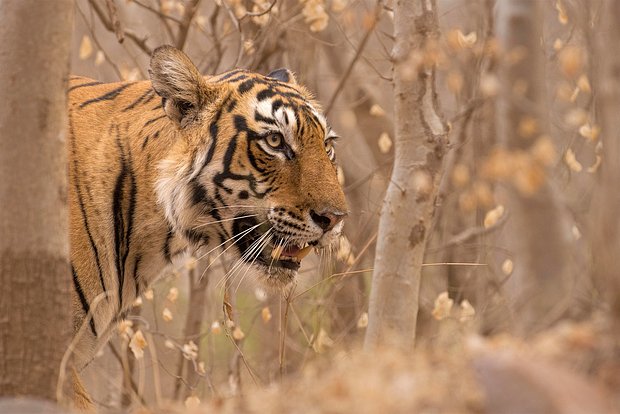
571	368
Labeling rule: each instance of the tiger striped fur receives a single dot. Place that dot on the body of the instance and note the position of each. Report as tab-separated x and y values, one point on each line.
239	160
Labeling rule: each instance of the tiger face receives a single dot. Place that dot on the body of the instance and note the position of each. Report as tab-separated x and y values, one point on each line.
252	169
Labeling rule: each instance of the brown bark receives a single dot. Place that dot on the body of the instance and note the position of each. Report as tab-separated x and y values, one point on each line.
35	299
420	143
606	227
537	231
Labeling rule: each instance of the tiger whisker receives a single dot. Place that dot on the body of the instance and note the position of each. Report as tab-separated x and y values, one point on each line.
256	256
224	220
237	237
256	246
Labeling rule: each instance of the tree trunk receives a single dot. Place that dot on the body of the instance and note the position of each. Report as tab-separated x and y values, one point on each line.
35	299
537	231
420	144
606	225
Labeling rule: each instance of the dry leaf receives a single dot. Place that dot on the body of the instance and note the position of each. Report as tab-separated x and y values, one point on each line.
340	175
148	295
443	306
339	5
594	167
576	233
238	333
571	161
192	402
173	294
124	328
528	127
166	315
576	117
385	143
589	131
562	16
466	40
507	267
362	322
86	48
467	311
137	344
493	216
584	84
558	44
572	60
99	58
201	368
322	341
138	302
190	350
216	328
266	314
376	110
169	344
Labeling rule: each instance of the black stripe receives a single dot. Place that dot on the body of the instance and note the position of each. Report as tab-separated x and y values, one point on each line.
107	96
136	279
81	203
83	301
166	248
137	101
150	121
146	140
83	85
230	74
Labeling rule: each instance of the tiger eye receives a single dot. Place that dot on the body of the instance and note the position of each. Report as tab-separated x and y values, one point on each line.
274	140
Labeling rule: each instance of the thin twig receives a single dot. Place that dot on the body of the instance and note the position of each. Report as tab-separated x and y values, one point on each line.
357	55
116	23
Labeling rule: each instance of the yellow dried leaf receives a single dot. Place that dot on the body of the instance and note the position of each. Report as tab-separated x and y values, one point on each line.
562	16
571	160
169	344
493	216
571	60
261	20
507	267
590	132
173	294
362	322
124	328
137	344
148	294
166	315
248	47
216	328
266	314
339	5
99	58
443	306
584	84
558	44
86	48
376	110
138	302
466	40
238	333
201	368
483	193
576	233
385	143
192	402
322	341
467	311
460	175
594	167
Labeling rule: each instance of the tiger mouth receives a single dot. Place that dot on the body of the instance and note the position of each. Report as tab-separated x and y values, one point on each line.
277	255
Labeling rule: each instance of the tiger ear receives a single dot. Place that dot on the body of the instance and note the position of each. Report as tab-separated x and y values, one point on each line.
283	75
180	84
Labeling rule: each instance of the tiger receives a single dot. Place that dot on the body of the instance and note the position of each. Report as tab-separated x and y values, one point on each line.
240	162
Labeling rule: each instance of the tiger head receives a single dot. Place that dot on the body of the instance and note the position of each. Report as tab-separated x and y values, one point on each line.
251	169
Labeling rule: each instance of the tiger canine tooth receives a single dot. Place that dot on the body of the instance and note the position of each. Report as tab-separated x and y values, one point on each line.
277	252
303	252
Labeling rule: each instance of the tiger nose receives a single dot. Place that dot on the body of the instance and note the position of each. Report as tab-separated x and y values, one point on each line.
326	220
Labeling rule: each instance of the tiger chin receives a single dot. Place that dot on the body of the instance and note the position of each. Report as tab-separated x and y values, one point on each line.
239	163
